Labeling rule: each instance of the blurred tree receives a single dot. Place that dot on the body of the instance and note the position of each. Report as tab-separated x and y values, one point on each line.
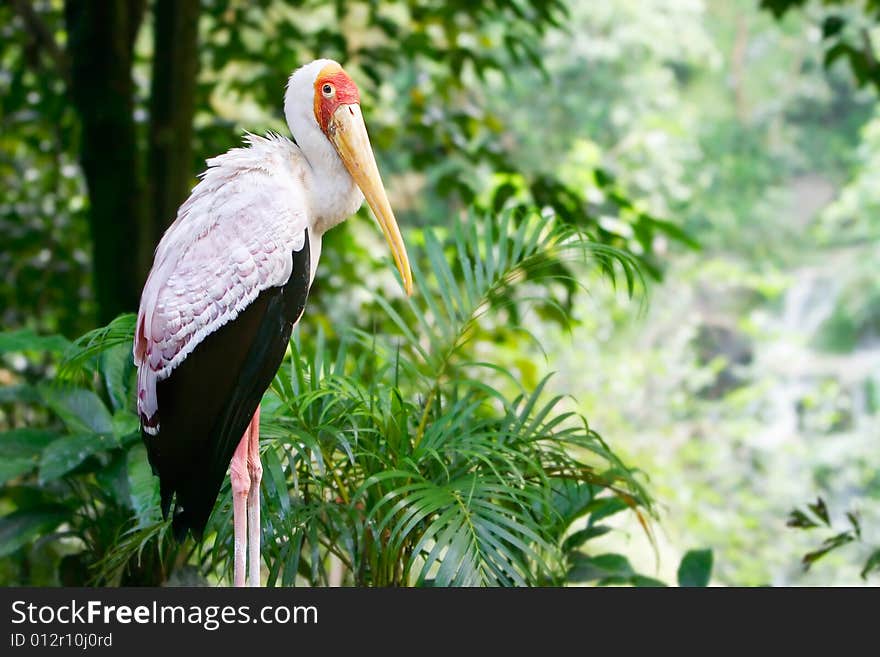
846	32
716	114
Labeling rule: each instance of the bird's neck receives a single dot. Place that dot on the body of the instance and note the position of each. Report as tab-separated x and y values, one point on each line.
334	196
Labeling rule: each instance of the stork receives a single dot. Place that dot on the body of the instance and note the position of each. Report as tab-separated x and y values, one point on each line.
229	282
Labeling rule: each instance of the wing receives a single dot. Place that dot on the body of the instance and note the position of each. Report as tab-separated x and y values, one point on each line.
230	279
232	239
208	400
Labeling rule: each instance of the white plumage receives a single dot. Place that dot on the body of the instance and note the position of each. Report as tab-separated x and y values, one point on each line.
234	235
232	239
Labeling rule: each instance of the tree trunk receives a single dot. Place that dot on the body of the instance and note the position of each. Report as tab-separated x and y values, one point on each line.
100	47
172	106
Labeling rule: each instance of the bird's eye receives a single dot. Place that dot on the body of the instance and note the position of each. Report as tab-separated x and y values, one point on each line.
327	90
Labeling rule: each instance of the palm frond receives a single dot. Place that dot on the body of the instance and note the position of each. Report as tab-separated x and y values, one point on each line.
409	469
491	265
90	345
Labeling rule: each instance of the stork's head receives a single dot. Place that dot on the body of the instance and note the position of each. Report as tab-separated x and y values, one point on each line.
323	103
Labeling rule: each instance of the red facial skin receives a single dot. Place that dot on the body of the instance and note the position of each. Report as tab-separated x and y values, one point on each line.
344	92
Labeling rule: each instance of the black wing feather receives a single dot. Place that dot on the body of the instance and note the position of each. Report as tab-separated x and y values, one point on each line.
208	400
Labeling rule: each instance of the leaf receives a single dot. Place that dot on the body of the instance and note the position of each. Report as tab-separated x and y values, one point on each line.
695	568
800	520
601	567
20	451
25	443
117	369
118	331
854	521
820	510
143	487
21	527
780	7
605	507
81	410
603	177
577	539
113	480
835	52
828	545
641	581
273	479
502	194
572	499
11	468
873	563
125	423
27	340
675	232
832	25
66	453
27	497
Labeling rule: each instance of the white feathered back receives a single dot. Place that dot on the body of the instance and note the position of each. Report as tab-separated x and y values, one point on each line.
234	235
232	239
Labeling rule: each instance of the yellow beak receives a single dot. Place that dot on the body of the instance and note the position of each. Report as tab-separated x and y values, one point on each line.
348	133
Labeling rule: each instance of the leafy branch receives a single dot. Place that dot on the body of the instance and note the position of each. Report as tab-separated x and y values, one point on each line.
816	516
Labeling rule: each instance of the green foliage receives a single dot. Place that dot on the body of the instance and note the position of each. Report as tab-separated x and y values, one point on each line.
611	569
846	35
19	528
20	451
751	378
850	220
71	490
816	516
27	340
397	455
695	568
44	261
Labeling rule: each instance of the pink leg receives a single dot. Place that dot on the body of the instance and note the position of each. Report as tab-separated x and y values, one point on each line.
255	470
241	486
